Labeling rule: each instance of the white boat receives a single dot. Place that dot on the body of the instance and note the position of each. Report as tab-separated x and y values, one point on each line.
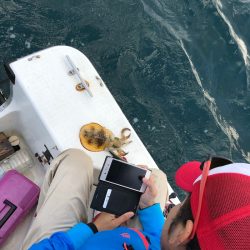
46	111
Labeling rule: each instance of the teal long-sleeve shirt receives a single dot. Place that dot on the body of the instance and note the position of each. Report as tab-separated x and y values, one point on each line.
82	237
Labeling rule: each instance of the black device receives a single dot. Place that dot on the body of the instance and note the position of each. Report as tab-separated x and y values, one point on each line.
120	187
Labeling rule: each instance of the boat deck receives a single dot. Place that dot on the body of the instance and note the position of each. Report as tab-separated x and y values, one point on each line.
47	111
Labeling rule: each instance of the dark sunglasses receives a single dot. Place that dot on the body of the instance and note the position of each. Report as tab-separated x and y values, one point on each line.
216	161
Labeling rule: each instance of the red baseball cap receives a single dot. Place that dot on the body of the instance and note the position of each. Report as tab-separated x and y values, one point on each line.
190	171
222	210
187	174
224	217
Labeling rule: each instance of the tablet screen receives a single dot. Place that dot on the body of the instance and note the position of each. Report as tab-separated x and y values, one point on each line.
125	175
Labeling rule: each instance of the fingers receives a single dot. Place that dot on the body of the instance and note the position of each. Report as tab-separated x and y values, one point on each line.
151	185
149	182
123	218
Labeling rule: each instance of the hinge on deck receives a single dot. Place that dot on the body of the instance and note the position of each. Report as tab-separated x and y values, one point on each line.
46	156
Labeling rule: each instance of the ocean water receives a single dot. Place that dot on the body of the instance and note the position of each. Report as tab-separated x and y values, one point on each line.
180	70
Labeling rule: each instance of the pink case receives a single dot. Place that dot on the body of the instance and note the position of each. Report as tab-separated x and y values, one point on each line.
17	196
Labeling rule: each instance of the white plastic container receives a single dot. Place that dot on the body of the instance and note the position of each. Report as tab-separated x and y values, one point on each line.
20	160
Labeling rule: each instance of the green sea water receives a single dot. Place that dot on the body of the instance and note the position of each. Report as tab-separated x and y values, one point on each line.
180	70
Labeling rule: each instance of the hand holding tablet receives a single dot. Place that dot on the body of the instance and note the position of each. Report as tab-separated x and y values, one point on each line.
120	187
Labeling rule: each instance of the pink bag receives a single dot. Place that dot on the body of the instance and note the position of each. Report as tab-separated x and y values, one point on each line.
17	196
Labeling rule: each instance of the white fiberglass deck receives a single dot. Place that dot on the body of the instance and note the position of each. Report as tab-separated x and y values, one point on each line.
47	110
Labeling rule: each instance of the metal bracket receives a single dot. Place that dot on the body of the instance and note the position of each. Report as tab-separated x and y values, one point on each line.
74	70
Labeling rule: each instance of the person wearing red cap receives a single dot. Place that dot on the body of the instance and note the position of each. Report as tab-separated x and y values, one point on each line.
216	213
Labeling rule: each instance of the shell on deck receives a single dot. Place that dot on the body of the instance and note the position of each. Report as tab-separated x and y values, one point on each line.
95	137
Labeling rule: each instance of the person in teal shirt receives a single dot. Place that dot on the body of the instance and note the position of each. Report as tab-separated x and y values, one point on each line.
218	203
64	221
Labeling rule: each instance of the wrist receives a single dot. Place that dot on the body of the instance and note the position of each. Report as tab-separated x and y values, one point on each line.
93	227
143	206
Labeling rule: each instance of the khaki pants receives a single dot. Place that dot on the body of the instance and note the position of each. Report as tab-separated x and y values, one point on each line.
65	196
